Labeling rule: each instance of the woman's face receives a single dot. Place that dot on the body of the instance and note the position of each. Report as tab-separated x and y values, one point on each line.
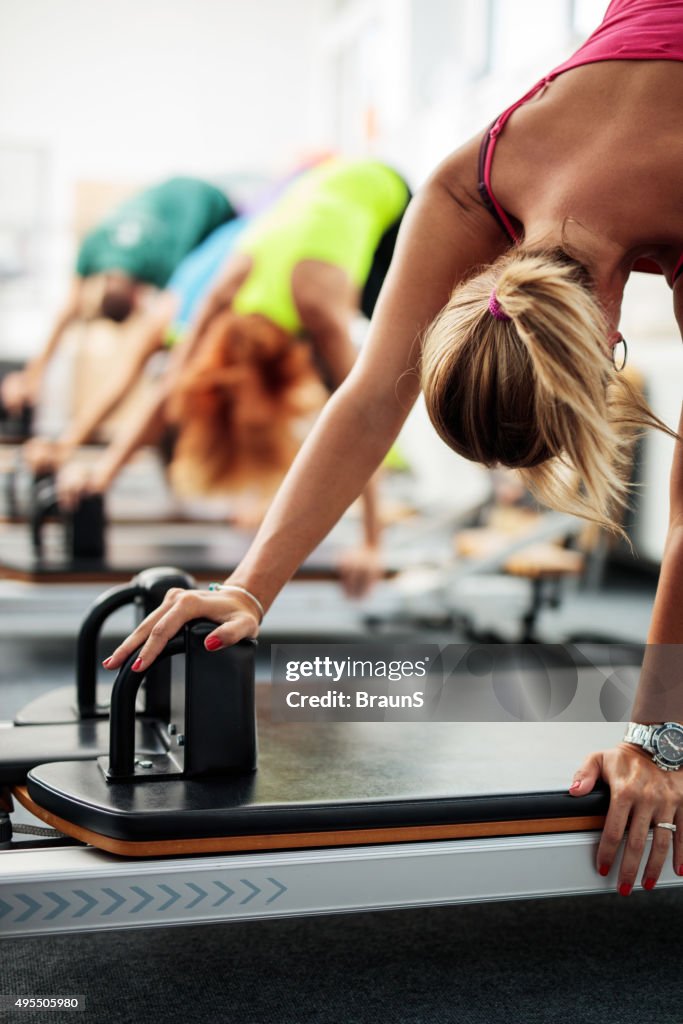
252	409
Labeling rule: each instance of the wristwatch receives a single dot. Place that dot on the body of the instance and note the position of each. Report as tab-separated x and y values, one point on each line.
664	742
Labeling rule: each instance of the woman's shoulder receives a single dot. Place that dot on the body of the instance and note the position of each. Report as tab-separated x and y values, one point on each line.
459	178
458	173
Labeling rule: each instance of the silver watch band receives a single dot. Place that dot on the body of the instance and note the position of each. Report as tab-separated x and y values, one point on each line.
639	734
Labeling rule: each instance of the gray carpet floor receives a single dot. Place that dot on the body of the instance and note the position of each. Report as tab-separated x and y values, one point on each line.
580	960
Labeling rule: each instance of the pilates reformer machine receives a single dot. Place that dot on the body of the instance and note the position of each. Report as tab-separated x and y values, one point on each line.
186	797
15	427
106	539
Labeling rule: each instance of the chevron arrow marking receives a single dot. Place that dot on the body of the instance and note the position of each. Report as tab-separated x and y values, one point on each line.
228	892
201	895
62	904
280	889
31	905
170	892
4	908
254	891
146	898
117	898
88	900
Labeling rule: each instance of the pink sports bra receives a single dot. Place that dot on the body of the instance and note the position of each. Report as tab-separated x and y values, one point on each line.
630	30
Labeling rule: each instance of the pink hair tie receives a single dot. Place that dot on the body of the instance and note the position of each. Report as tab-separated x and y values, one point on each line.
494	308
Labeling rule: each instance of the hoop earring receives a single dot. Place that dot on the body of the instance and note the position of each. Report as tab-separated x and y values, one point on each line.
619	366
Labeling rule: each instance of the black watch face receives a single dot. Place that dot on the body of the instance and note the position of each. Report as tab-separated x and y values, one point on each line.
668	744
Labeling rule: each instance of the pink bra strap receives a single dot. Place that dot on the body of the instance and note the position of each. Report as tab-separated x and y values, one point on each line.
678	269
494	132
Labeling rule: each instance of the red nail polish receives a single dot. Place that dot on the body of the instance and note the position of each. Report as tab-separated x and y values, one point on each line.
679	869
625	889
604	870
137	664
575	785
649	883
105	663
212	643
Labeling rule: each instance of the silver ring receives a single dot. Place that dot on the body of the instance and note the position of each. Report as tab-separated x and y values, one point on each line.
620	366
666	824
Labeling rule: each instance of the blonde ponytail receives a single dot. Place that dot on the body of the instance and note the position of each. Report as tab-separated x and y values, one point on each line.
528	383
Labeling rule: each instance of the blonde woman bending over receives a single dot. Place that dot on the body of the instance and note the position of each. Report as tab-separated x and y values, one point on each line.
516	368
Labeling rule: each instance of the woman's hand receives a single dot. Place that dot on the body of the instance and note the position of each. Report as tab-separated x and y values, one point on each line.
42	455
18	389
233	611
77	480
642	795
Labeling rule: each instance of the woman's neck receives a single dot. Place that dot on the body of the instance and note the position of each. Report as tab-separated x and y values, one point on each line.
607	262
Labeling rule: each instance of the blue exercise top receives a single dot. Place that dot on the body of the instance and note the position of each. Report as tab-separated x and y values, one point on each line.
198	272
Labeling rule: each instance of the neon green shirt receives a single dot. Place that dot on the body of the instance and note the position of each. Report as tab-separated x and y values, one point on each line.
336	213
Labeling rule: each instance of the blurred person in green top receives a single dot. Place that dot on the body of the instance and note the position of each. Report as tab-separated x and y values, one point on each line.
297	277
135	248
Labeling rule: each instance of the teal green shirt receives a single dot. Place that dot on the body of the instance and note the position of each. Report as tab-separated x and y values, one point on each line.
148	235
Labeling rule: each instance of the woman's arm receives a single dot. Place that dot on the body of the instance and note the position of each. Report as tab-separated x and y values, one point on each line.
641	793
659	697
41	454
660	688
221	296
445	234
146	428
23	387
150	338
667	618
326	301
149	421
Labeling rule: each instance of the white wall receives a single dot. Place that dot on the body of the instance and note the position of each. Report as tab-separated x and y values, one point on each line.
434	72
133	91
145	87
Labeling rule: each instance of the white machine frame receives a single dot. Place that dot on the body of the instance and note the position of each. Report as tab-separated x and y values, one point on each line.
79	889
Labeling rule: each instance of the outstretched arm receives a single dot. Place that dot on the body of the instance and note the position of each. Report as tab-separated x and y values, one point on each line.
146	428
149	421
42	454
641	793
660	690
445	234
150	339
23	388
326	300
219	299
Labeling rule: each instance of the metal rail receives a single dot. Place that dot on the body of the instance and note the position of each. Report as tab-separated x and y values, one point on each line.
80	889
